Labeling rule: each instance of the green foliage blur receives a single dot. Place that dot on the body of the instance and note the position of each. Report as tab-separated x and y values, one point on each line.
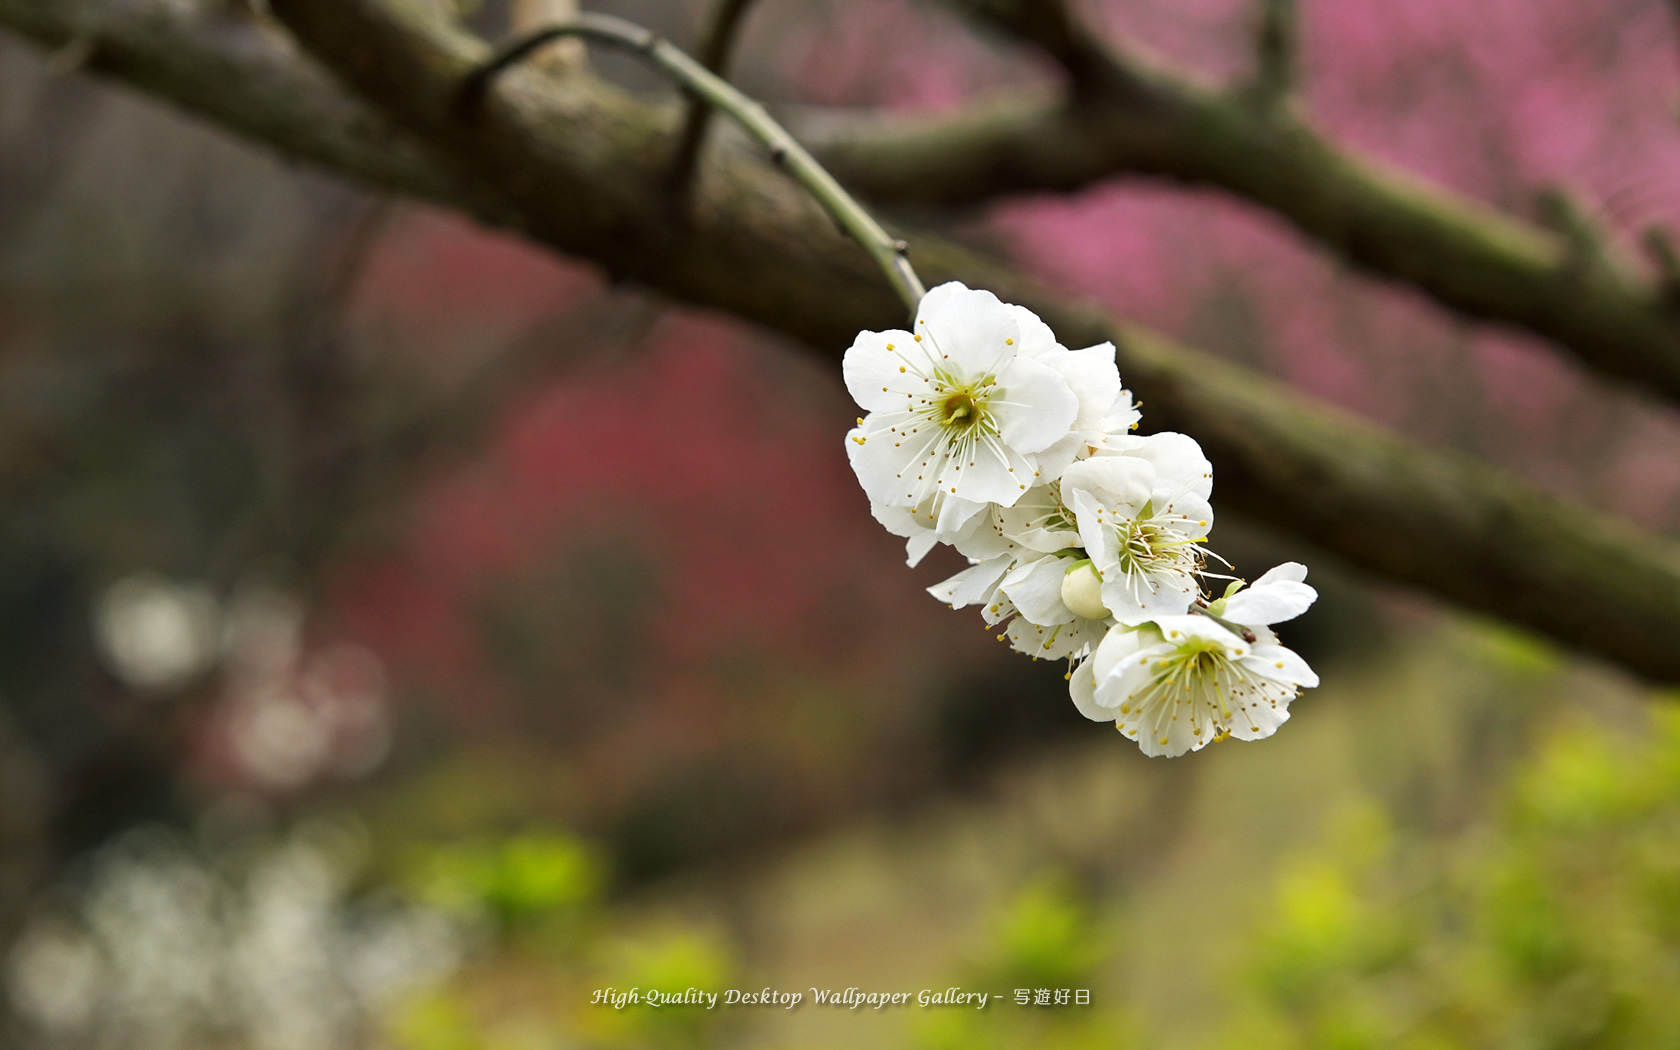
1046	937
1553	924
534	879
551	943
1555	927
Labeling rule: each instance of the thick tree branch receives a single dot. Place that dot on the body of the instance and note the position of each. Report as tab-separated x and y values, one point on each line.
575	159
251	81
1150	121
1052	28
889	254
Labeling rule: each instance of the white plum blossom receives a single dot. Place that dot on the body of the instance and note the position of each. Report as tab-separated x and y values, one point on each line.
1105	408
1022	558
1085	542
1143	515
1182	682
1053	620
955	408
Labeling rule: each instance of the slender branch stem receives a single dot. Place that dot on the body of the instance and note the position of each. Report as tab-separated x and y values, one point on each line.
889	254
1245	633
1659	246
716	43
1275	51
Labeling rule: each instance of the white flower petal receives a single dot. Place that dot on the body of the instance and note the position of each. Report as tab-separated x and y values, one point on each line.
1269	603
1280	664
1160	735
939	520
1178	461
888	465
1039	522
1090	374
1034	407
1119	645
1255	719
1037	340
990	473
878	378
1119	420
1082	687
1196	511
1118	485
939	298
1139	600
901	521
1094	532
1175	628
916	548
982	538
1054	642
1290	571
974	585
1036	589
1059	456
970	333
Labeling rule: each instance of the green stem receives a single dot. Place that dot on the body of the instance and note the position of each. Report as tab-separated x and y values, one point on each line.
890	254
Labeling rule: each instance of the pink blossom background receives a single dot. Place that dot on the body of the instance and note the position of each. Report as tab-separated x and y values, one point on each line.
671	524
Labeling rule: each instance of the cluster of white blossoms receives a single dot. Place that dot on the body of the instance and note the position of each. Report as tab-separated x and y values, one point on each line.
1086	542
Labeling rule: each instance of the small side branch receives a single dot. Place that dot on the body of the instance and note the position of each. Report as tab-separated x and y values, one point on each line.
716	44
1054	29
1586	251
889	254
1659	246
1277	51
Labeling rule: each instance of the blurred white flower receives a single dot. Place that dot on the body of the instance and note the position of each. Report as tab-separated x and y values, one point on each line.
55	977
328	716
157	635
293	713
167	951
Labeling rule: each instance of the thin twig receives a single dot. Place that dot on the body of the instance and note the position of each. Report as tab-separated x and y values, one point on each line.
888	253
1276	50
1586	247
1659	246
716	44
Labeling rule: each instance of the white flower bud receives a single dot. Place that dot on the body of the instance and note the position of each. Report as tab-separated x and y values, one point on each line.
1082	592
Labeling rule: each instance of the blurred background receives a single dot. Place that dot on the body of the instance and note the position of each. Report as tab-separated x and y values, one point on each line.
404	633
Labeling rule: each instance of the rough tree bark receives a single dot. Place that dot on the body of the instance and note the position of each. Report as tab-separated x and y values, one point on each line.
1127	115
578	165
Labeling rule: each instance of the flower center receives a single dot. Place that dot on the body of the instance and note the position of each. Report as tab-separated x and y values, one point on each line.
1148	547
960	410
